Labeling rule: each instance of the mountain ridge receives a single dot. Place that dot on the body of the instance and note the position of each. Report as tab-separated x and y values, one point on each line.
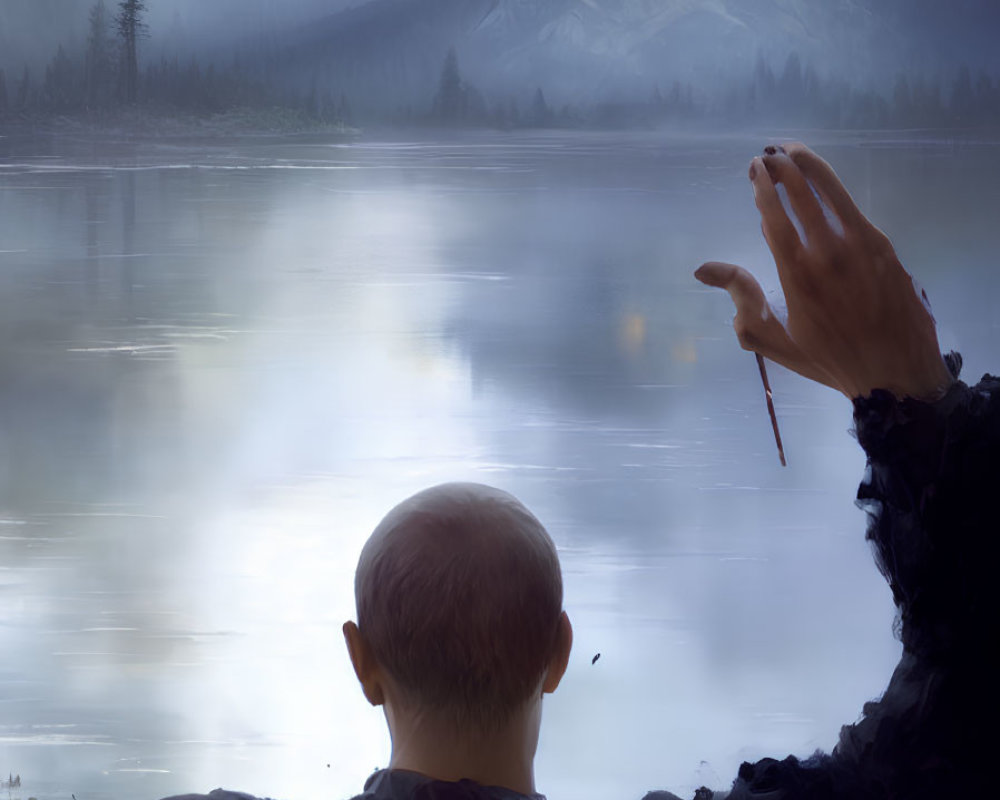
584	50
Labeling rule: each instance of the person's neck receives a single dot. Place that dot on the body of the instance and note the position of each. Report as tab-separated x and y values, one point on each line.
505	758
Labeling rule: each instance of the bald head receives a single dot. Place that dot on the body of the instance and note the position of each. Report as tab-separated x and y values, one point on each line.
459	595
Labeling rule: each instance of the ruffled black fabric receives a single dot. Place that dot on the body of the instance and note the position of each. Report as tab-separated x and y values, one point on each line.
217	794
931	492
401	784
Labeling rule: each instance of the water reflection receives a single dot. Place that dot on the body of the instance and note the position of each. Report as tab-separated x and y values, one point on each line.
222	364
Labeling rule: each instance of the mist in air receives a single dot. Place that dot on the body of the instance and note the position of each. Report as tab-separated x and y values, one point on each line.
561	63
267	267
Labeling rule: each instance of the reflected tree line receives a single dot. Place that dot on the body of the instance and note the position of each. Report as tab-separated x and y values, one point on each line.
106	75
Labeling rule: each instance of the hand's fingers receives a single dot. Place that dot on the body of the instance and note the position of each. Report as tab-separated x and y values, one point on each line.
756	324
825	180
779	231
783	170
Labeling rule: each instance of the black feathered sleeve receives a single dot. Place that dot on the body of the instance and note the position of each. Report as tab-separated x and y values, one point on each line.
933	495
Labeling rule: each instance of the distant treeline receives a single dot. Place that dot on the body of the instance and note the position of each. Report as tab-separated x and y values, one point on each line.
797	95
794	96
105	77
460	104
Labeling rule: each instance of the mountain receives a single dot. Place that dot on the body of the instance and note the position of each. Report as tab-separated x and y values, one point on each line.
587	50
620	45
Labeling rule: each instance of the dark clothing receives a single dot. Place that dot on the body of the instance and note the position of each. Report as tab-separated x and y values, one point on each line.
931	494
399	784
216	794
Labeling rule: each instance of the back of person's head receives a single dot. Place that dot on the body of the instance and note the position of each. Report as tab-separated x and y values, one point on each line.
459	597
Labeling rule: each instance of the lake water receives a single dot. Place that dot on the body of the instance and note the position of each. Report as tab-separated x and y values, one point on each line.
222	362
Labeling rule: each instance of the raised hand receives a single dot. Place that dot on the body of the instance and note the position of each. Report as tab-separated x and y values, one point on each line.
855	320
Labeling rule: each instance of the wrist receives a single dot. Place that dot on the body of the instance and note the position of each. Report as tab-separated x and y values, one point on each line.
928	385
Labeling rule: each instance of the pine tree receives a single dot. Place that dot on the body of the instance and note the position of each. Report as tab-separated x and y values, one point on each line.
539	114
928	108
764	83
131	28
99	64
902	101
311	103
986	97
23	97
812	95
60	91
449	102
790	86
962	97
344	114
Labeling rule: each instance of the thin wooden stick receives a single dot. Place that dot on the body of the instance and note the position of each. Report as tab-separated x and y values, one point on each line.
770	409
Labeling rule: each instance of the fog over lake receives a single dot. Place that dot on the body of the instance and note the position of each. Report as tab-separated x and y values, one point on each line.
221	362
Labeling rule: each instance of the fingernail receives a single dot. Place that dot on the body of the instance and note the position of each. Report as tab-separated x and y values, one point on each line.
753	170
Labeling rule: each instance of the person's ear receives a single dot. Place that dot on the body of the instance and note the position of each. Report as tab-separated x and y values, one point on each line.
364	663
560	658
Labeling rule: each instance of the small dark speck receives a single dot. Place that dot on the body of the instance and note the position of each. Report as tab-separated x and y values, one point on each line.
594	659
328	766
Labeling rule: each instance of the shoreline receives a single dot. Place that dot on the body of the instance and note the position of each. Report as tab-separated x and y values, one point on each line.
167	124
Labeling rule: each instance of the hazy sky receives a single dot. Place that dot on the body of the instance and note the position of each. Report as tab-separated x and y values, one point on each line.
30	30
588	47
217	15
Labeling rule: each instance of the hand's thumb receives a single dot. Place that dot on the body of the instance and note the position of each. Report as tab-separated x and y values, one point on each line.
743	288
757	327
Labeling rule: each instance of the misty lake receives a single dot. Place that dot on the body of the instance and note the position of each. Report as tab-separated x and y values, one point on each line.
222	361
